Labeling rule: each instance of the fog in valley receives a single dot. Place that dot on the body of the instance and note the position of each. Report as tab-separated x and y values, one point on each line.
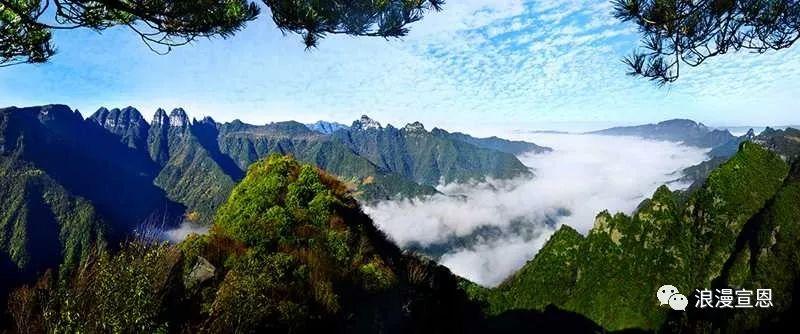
485	231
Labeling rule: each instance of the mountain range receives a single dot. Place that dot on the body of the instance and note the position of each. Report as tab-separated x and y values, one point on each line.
326	128
290	250
739	229
676	130
114	174
721	143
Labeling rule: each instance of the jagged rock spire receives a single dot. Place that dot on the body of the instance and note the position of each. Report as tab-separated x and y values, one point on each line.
365	123
178	118
116	119
160	118
414	127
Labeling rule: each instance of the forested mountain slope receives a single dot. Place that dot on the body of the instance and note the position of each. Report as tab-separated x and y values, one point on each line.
738	229
115	155
290	251
425	157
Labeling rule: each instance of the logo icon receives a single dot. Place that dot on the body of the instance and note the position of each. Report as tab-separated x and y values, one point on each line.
669	295
665	292
678	302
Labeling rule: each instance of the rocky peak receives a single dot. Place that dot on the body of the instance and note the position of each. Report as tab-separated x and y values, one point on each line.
101	112
208	120
178	118
685	124
113	119
366	123
58	112
127	123
325	127
414	127
160	118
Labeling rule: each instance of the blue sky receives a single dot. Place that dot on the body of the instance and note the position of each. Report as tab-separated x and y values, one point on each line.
479	65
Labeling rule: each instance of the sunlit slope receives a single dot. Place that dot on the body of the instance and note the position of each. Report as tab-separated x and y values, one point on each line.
611	275
192	171
290	251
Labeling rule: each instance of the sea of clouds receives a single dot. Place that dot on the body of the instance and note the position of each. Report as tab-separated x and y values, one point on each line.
584	175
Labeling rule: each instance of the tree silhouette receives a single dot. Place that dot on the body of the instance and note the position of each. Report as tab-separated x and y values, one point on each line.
26	26
688	32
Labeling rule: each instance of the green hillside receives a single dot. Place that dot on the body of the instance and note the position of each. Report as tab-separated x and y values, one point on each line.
189	172
42	226
290	251
246	143
610	275
425	157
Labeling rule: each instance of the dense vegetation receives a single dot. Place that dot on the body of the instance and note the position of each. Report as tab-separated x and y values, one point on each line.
89	162
290	251
690	242
65	229
175	162
192	171
70	182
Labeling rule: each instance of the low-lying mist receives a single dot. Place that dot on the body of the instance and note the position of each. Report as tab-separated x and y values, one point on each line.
486	231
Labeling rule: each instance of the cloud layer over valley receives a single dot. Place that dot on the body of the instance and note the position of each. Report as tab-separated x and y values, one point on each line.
486	231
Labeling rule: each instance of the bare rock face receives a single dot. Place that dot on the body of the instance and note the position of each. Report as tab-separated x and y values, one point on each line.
127	123
201	273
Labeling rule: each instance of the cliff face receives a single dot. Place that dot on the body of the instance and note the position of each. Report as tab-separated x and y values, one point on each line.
429	158
127	123
90	162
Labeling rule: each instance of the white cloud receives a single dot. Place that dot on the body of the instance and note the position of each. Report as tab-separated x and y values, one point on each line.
466	14
180	233
584	175
497	62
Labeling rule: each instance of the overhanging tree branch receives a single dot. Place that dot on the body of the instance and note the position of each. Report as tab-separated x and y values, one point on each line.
676	32
26	38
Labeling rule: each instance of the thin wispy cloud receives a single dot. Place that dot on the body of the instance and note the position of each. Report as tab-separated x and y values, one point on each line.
480	65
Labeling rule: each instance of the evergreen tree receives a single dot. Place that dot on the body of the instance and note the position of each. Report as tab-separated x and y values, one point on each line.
687	32
26	26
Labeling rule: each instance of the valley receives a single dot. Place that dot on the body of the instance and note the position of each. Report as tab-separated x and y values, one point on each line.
504	216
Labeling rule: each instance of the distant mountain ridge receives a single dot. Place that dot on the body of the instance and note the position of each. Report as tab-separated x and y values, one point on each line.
782	142
197	163
676	130
324	127
424	157
68	183
515	147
